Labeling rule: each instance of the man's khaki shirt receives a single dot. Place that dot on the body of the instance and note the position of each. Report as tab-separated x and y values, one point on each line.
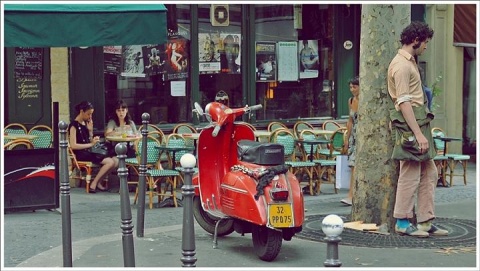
404	82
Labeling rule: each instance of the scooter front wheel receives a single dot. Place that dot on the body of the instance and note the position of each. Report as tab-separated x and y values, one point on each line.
207	221
266	242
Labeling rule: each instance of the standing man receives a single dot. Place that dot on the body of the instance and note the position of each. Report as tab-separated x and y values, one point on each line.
405	88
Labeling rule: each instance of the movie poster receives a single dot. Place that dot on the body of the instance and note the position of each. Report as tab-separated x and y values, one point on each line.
177	63
209	52
133	61
230	53
112	56
266	61
154	59
309	58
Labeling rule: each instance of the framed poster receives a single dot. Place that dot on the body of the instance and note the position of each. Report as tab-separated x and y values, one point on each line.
133	61
154	59
287	61
266	61
112	59
230	57
309	58
176	65
209	52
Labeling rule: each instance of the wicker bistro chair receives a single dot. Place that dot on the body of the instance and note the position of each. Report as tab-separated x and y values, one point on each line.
287	139
325	166
301	125
81	170
185	128
45	136
274	125
331	125
18	144
440	159
14	128
155	173
177	140
453	158
336	145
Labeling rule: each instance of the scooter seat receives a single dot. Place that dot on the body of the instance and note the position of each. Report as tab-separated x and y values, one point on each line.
260	153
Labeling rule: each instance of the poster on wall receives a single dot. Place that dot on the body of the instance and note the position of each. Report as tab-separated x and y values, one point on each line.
176	65
230	53
266	69
209	52
28	63
112	59
309	58
154	59
133	61
287	61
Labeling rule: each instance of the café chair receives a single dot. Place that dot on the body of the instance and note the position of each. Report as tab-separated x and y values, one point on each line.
185	128
297	166
81	170
453	159
247	124
14	128
301	125
45	136
177	140
18	144
330	125
440	159
336	144
274	125
325	166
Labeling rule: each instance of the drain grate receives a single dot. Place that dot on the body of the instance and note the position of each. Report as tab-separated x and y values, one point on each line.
462	233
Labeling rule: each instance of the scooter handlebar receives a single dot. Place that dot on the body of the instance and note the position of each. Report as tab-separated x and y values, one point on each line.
216	130
255	107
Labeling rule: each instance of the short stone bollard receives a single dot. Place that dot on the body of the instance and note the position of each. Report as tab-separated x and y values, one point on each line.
332	226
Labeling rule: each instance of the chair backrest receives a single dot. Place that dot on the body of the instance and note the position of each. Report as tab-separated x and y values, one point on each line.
177	140
159	135
337	140
45	136
300	126
15	128
184	128
438	144
330	125
274	125
287	139
307	135
153	154
247	124
18	144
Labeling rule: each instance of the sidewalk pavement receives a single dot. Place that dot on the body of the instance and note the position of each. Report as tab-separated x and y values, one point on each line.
161	246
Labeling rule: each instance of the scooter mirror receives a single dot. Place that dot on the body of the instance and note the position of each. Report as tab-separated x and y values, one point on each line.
198	108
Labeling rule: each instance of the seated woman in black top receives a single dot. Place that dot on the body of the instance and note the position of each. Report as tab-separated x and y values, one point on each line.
81	139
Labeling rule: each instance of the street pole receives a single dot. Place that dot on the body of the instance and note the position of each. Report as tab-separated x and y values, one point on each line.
142	172
65	197
188	259
126	213
332	226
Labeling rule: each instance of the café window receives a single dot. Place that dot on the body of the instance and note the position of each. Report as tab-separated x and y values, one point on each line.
152	78
294	61
219	41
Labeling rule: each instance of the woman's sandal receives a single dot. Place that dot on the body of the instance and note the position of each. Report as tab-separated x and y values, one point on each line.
102	189
92	191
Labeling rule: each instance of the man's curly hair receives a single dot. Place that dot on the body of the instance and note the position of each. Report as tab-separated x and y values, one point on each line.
415	30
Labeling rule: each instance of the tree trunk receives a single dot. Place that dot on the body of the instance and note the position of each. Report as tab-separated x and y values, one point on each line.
375	177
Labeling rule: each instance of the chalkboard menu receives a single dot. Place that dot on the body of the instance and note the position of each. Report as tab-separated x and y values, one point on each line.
28	62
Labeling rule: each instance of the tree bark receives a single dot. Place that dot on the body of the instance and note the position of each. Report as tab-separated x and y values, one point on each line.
375	176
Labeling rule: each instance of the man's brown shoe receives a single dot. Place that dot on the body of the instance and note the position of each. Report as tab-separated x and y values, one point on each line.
411	231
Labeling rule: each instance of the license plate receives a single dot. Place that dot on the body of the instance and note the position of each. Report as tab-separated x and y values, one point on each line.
280	215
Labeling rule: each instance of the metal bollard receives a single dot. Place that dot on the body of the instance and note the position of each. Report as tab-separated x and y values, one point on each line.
332	226
142	176
126	213
188	161
65	197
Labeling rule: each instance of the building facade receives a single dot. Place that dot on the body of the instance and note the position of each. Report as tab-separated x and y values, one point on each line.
295	60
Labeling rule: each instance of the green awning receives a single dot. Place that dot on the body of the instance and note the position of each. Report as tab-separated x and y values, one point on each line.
76	25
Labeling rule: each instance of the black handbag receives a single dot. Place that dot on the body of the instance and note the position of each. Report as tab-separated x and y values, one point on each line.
100	150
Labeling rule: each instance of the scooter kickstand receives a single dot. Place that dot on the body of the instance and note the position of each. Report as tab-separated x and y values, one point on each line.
215	242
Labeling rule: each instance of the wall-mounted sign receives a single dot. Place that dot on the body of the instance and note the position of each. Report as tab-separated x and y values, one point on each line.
348	44
28	62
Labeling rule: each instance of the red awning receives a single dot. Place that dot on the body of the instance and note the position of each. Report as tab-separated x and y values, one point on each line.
465	25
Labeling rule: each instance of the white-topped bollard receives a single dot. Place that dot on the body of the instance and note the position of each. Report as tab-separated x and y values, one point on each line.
332	226
188	162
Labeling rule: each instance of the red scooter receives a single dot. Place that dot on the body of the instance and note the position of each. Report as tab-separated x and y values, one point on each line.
243	185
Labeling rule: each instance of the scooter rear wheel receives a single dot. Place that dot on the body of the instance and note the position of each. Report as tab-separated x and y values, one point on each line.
266	242
207	221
